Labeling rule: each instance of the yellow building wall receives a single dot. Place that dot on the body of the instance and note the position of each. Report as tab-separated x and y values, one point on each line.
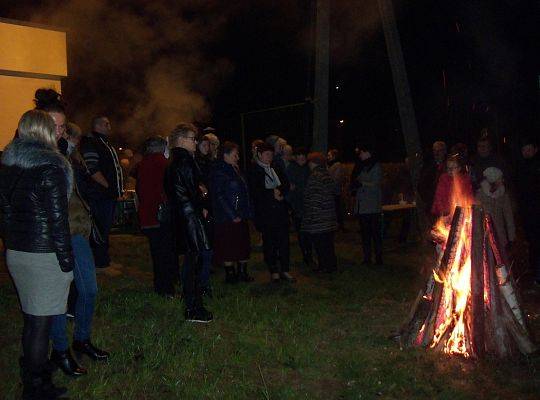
33	50
30	58
17	96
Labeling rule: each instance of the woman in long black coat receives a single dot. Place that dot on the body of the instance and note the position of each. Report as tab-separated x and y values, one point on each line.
268	186
232	210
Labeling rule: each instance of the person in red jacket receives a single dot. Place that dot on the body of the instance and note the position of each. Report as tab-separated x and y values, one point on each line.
453	189
150	193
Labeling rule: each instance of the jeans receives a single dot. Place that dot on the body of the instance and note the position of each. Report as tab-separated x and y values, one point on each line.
276	247
164	258
103	212
326	253
206	260
371	231
84	275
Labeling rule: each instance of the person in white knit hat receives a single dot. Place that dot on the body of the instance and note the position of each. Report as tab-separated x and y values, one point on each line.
492	196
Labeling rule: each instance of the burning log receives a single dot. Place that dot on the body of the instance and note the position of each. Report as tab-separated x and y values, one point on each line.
469	305
477	280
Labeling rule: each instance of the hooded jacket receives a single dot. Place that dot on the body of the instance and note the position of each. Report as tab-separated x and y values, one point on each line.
35	184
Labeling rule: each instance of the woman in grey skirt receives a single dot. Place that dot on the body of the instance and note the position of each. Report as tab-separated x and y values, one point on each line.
35	184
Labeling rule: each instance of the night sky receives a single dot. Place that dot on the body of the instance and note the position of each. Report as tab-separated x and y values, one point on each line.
471	64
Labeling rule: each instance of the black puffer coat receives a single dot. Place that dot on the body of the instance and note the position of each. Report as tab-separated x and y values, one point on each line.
182	180
35	184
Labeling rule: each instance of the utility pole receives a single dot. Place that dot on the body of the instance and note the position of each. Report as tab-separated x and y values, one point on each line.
322	76
405	106
402	89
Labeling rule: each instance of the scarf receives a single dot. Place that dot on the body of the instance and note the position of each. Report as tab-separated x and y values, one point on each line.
271	180
486	188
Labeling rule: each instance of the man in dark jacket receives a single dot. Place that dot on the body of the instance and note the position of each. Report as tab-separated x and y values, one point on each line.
187	194
105	186
298	173
485	158
529	199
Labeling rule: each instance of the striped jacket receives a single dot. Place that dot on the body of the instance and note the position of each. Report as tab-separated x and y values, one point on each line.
319	202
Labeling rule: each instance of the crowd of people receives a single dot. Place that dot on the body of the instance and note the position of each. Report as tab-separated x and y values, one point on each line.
487	180
59	189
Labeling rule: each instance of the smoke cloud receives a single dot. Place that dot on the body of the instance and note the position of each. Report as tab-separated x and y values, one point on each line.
143	63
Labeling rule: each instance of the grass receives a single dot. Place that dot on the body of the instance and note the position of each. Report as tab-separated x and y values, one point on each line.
322	338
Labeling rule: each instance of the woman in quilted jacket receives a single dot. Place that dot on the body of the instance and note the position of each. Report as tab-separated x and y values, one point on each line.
35	185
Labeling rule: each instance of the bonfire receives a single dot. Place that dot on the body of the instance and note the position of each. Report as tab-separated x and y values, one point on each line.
469	305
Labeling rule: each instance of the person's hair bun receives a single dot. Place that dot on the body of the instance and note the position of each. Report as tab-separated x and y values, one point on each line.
48	100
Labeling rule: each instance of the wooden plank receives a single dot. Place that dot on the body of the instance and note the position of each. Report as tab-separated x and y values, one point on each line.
477	280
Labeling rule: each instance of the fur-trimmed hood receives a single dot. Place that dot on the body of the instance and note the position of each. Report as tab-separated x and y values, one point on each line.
27	154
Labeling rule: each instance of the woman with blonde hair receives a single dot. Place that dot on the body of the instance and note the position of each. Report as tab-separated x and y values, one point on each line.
35	184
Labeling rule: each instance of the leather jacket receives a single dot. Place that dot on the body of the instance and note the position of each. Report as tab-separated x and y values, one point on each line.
35	185
182	180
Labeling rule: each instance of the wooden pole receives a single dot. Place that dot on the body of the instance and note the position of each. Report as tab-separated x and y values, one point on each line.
322	77
477	280
244	155
402	89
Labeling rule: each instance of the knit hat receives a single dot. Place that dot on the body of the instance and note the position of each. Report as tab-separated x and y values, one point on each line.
272	139
493	174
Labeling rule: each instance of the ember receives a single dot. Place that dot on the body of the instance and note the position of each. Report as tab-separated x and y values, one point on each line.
468	306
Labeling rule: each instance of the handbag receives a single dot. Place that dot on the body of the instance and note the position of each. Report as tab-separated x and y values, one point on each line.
96	236
164	215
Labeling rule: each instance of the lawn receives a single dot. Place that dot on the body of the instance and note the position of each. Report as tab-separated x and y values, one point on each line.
325	337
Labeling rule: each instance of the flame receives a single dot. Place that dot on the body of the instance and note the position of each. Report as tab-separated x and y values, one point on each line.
451	324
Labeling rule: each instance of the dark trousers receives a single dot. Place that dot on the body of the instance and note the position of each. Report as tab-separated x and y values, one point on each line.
276	248
191	280
103	212
371	232
326	253
164	258
304	239
339	211
531	225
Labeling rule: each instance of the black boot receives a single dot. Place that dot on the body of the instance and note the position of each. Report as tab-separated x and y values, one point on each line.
243	274
65	361
37	384
87	348
230	274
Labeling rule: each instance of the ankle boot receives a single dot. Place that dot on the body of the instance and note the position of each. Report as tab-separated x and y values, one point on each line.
87	348
37	384
243	273
230	274
65	361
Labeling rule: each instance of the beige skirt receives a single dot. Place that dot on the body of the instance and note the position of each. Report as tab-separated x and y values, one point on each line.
41	285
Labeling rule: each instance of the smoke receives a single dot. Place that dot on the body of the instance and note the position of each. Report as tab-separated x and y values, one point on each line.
143	63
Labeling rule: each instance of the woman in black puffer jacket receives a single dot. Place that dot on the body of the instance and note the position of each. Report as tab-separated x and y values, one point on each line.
35	184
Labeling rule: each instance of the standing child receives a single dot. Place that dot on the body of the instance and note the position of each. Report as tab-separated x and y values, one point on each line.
492	196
